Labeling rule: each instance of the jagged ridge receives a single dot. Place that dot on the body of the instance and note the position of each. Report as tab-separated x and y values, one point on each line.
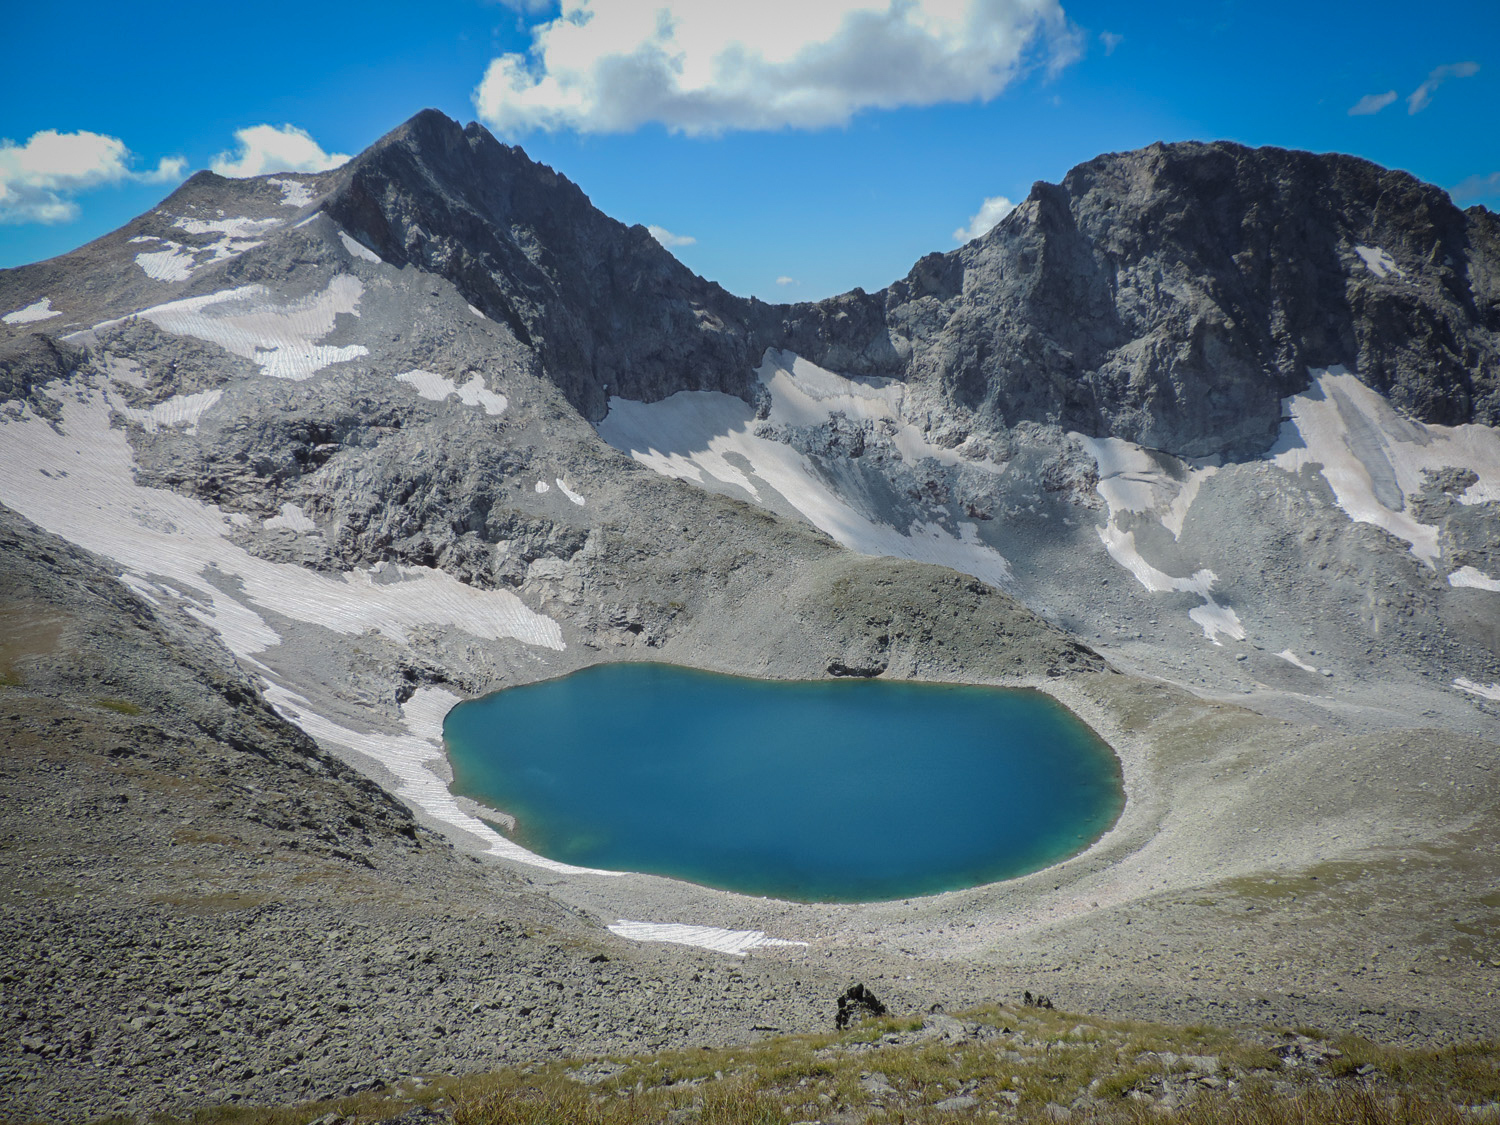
1171	295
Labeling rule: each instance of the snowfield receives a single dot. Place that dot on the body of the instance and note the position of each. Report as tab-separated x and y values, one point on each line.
693	433
280	338
37	310
737	942
1374	459
77	481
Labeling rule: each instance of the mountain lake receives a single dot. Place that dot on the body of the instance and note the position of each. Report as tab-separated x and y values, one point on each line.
814	791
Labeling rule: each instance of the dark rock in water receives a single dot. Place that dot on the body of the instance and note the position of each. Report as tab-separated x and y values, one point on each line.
857	1003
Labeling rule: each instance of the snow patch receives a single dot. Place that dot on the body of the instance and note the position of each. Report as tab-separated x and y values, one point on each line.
1133	480
804	394
1291	658
1378	262
179	411
692	433
542	486
478	313
1373	458
416	760
292	518
77	481
439	387
126	371
1473	578
1490	692
175	263
234	228
37	310
736	942
293	193
359	249
569	493
247	322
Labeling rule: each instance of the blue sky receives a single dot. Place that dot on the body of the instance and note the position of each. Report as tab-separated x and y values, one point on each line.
844	183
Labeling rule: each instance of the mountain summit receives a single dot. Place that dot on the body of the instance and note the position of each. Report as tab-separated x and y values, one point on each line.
1203	441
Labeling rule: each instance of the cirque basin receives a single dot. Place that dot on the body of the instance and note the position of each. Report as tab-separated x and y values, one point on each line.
815	791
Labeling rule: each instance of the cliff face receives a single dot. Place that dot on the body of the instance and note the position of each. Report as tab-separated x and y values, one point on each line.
1172	296
606	308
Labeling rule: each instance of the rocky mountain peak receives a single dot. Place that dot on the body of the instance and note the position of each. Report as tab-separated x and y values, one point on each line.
607	308
1175	294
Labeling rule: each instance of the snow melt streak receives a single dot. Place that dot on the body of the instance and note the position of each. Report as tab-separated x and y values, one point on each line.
1373	458
696	432
737	942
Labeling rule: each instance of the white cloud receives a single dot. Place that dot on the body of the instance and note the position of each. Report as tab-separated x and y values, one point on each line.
670	240
784	280
1111	40
704	66
39	178
1476	187
990	212
1372	103
1421	97
265	148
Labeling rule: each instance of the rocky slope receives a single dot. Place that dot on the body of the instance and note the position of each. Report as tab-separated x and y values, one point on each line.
201	905
430	425
1174	295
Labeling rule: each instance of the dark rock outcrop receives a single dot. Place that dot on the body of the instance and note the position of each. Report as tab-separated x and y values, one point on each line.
31	362
608	310
856	1003
1175	294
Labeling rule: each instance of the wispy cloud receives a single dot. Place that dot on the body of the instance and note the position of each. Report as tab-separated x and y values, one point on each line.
39	179
1476	187
704	66
990	212
1110	41
668	239
263	149
1372	103
784	280
1421	97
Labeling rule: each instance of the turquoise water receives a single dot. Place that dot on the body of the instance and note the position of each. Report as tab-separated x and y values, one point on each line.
827	791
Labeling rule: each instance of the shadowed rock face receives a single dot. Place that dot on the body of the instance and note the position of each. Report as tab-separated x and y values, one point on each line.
1172	296
607	309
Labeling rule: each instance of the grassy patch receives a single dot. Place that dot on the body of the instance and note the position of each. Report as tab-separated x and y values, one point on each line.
119	706
1020	1065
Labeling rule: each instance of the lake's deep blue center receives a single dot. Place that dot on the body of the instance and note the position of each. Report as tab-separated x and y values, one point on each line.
829	791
